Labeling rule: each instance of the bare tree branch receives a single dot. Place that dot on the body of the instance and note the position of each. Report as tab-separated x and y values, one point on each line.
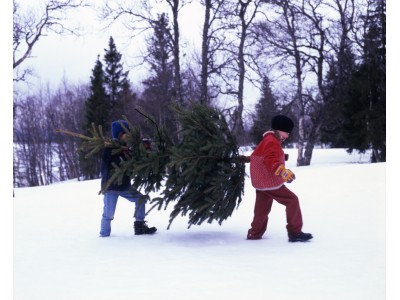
29	27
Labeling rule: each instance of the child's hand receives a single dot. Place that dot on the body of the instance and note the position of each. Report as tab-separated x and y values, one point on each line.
287	175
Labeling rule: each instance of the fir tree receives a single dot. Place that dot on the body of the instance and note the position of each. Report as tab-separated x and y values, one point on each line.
337	86
116	81
159	89
207	171
96	112
265	109
97	105
364	125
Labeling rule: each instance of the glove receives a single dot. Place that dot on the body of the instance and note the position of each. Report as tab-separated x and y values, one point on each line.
287	175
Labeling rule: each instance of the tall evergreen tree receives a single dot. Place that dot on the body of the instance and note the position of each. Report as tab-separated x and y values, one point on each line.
365	110
96	111
159	87
97	105
342	64
116	81
337	85
265	109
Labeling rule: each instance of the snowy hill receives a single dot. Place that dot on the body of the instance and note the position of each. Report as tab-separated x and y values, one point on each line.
58	255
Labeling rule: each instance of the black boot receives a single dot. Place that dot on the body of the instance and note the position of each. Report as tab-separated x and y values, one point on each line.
142	228
300	237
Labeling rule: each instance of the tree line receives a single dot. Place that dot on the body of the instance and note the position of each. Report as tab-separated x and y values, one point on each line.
322	62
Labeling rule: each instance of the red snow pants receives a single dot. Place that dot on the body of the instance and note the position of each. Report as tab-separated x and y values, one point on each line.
263	206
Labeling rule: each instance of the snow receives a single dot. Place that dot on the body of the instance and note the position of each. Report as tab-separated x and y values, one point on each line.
57	253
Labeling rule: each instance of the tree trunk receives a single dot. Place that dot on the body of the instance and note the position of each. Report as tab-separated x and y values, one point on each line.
204	54
177	65
300	106
311	141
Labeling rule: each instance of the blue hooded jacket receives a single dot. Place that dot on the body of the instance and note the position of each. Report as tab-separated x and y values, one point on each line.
108	160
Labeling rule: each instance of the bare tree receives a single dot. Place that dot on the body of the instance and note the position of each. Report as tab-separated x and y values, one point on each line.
281	31
310	40
42	156
297	33
330	26
236	52
31	140
340	34
316	41
213	42
29	26
246	16
175	7
66	111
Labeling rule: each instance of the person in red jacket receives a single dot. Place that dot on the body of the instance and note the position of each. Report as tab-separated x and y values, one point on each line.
268	176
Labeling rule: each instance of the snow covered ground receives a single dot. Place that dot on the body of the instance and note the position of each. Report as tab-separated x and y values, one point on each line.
57	253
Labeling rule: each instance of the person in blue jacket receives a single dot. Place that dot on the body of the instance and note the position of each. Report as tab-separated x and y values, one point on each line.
123	189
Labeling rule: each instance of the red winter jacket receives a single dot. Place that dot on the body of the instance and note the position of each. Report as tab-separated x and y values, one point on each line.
265	159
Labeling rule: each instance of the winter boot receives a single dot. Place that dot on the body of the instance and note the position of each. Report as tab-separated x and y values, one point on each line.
253	236
300	237
142	228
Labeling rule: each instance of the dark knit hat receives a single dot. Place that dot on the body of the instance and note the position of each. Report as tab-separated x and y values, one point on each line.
282	123
117	129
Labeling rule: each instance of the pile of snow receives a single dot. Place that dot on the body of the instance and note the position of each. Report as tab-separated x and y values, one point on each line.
58	254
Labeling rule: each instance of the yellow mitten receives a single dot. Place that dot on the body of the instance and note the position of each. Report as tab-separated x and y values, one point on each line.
286	174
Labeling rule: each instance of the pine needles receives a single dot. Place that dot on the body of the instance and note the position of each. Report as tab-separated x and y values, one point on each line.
208	175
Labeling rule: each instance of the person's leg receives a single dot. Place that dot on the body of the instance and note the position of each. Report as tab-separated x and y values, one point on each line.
140	203
262	209
110	203
293	212
140	200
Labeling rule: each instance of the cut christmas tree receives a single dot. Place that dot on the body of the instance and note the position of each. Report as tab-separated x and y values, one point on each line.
207	172
202	174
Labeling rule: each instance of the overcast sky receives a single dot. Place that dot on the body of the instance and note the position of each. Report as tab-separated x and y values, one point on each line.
56	57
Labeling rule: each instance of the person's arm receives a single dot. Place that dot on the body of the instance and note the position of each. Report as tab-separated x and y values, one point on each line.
272	154
273	160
